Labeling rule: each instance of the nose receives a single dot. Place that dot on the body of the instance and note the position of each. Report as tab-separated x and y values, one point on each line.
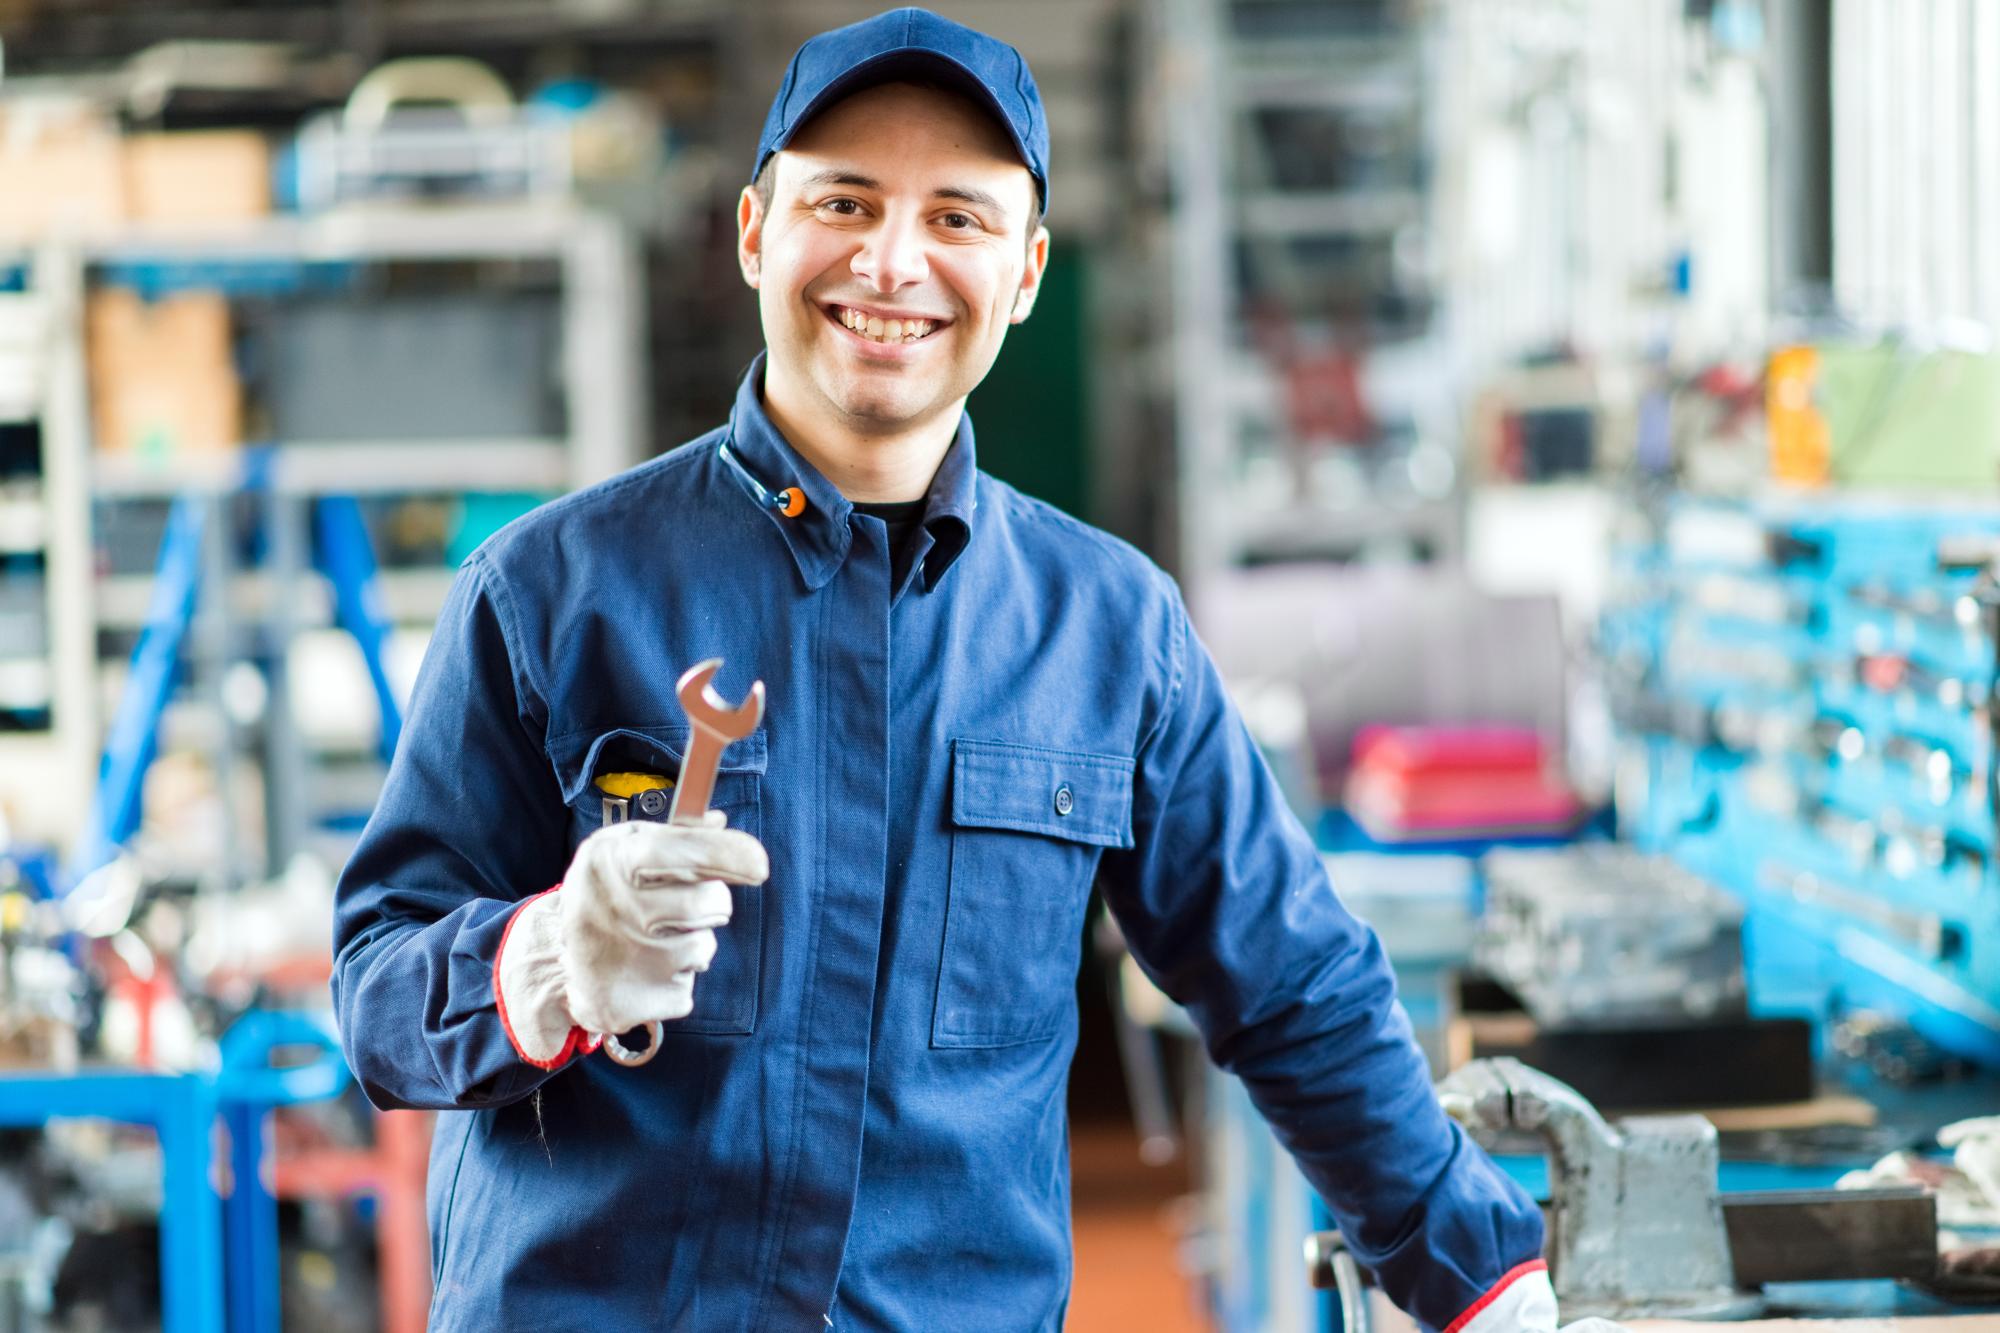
892	255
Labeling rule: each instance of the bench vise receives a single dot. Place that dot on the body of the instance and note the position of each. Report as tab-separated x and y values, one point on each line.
1638	1226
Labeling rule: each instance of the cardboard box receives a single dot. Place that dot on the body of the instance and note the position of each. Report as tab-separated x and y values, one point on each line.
66	170
60	171
197	177
162	379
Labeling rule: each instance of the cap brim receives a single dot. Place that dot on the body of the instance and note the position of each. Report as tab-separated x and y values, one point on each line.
892	65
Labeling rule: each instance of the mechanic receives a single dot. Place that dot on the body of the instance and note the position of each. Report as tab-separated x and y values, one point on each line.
978	707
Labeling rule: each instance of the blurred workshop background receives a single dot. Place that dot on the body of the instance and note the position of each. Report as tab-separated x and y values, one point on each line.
1576	424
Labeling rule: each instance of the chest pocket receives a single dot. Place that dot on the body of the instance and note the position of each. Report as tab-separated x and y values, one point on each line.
725	996
1027	828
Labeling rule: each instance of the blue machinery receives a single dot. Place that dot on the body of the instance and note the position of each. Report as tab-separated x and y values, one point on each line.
203	1238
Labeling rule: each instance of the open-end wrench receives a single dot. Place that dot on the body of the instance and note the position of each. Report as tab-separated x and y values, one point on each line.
712	725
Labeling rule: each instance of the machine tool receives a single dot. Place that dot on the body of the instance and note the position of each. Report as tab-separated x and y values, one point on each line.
1638	1226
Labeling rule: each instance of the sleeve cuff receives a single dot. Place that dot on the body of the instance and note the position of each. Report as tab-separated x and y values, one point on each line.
578	1042
1521	1302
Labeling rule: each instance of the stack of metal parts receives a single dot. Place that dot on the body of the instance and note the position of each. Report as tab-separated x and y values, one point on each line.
1604	936
1631	972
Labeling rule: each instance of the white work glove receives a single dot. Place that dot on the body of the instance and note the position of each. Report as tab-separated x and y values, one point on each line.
1526	1303
621	942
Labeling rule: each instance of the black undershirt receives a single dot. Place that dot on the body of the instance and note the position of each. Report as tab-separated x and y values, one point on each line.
903	518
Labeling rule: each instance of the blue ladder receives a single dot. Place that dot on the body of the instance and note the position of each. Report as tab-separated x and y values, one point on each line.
342	552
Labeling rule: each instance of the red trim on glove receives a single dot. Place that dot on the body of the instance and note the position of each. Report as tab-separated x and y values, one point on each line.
1513	1274
579	1041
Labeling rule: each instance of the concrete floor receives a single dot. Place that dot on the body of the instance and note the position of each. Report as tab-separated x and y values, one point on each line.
1128	1273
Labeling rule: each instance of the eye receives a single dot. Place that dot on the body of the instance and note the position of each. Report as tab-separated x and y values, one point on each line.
843	206
959	221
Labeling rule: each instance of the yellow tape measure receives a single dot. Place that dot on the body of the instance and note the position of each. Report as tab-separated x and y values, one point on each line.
629	785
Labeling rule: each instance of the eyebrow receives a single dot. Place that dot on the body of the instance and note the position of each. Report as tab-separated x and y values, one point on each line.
855	180
838	176
967	195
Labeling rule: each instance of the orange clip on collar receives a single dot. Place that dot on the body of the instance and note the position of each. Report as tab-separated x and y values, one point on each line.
792	502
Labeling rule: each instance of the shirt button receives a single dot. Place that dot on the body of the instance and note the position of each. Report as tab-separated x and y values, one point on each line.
1065	800
652	802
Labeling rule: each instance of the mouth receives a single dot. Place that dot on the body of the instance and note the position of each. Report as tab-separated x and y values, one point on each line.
885	330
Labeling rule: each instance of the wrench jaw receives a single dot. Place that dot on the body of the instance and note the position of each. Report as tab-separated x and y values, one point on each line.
742	720
708	711
712	726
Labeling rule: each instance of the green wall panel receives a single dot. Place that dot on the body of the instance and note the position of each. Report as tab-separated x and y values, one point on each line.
1033	413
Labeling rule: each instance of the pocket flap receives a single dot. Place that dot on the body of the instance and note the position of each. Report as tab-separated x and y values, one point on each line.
1058	793
581	756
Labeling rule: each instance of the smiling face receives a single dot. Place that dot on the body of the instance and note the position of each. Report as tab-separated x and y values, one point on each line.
894	251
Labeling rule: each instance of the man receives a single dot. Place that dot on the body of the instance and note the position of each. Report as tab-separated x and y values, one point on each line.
977	708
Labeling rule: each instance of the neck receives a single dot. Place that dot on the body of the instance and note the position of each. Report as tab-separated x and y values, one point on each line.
867	466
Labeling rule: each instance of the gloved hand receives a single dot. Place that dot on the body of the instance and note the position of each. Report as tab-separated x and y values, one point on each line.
620	944
1524	1302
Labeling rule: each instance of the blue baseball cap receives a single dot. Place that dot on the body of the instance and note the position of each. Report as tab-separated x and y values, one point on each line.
911	42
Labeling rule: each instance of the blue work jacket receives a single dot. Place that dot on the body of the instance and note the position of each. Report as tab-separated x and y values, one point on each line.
862	1121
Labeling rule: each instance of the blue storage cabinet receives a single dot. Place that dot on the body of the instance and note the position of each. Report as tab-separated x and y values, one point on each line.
1807	722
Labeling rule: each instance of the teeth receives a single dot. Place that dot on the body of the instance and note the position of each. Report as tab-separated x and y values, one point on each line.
886	330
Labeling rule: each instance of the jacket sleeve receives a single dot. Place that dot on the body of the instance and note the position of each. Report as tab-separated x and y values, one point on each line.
471	822
1225	903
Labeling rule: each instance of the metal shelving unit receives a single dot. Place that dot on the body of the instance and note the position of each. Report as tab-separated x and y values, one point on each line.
1275	237
601	378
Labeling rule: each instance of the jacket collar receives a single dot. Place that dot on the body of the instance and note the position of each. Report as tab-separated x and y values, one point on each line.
818	536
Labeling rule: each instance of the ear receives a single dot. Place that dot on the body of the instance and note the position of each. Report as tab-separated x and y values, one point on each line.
1031	277
750	235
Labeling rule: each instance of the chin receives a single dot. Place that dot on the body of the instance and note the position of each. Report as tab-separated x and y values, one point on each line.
880	413
879	405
